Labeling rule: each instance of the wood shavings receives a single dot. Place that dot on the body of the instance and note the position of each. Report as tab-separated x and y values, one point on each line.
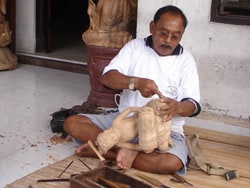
57	139
52	158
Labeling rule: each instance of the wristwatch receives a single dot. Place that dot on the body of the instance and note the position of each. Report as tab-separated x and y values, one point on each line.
131	85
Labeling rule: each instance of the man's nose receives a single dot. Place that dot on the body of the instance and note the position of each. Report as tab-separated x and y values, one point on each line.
168	39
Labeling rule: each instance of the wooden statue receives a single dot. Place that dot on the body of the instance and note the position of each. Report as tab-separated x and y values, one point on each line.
109	21
7	59
3	6
152	132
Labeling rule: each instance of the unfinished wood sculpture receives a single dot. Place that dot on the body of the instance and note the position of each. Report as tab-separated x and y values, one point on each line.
7	59
109	20
3	6
152	132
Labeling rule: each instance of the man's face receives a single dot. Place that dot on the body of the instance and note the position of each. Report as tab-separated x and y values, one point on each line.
167	33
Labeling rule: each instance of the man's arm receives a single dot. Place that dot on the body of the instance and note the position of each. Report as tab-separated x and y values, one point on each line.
115	80
118	81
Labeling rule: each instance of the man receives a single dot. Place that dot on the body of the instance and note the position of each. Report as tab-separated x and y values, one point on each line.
157	66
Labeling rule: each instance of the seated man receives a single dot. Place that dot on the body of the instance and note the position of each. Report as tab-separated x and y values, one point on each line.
156	66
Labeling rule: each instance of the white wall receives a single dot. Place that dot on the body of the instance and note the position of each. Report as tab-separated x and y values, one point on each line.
222	53
25	26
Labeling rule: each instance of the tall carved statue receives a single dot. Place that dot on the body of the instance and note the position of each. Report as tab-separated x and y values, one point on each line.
7	59
112	25
3	6
109	23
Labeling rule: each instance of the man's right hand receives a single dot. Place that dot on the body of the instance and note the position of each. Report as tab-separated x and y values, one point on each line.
147	87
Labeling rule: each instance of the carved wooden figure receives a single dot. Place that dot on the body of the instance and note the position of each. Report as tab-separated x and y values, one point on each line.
7	59
152	132
109	20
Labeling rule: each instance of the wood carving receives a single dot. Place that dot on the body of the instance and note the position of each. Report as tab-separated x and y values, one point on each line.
3	6
7	59
109	21
152	132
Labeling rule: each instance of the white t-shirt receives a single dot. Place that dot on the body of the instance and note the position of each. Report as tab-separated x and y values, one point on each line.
175	75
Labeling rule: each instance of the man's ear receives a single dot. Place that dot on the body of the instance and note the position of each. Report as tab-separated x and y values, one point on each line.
152	27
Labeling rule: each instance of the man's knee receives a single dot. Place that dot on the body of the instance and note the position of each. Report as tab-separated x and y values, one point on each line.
173	165
69	123
72	121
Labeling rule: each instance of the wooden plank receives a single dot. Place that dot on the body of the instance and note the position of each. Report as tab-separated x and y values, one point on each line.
218	136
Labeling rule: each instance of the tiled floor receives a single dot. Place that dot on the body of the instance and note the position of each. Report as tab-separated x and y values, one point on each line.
28	95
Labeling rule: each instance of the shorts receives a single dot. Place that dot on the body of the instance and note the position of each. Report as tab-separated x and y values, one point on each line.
179	148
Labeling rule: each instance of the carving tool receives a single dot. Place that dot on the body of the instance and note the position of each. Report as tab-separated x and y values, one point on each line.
151	180
96	151
180	179
84	164
65	169
102	159
53	180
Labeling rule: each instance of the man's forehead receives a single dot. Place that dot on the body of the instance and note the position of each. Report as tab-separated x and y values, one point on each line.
170	19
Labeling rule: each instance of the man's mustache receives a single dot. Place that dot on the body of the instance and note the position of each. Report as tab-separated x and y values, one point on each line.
166	46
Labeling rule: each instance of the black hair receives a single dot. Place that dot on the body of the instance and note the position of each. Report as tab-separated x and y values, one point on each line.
172	9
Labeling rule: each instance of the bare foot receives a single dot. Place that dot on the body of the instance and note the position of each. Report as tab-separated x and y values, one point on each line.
125	158
84	151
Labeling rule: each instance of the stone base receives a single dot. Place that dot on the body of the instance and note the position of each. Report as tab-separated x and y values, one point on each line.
99	57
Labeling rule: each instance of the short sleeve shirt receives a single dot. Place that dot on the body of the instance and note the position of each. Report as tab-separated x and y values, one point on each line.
175	75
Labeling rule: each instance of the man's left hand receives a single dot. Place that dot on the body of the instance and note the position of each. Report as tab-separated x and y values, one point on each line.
169	110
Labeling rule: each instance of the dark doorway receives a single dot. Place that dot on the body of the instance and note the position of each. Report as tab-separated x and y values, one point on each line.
59	28
60	24
11	18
